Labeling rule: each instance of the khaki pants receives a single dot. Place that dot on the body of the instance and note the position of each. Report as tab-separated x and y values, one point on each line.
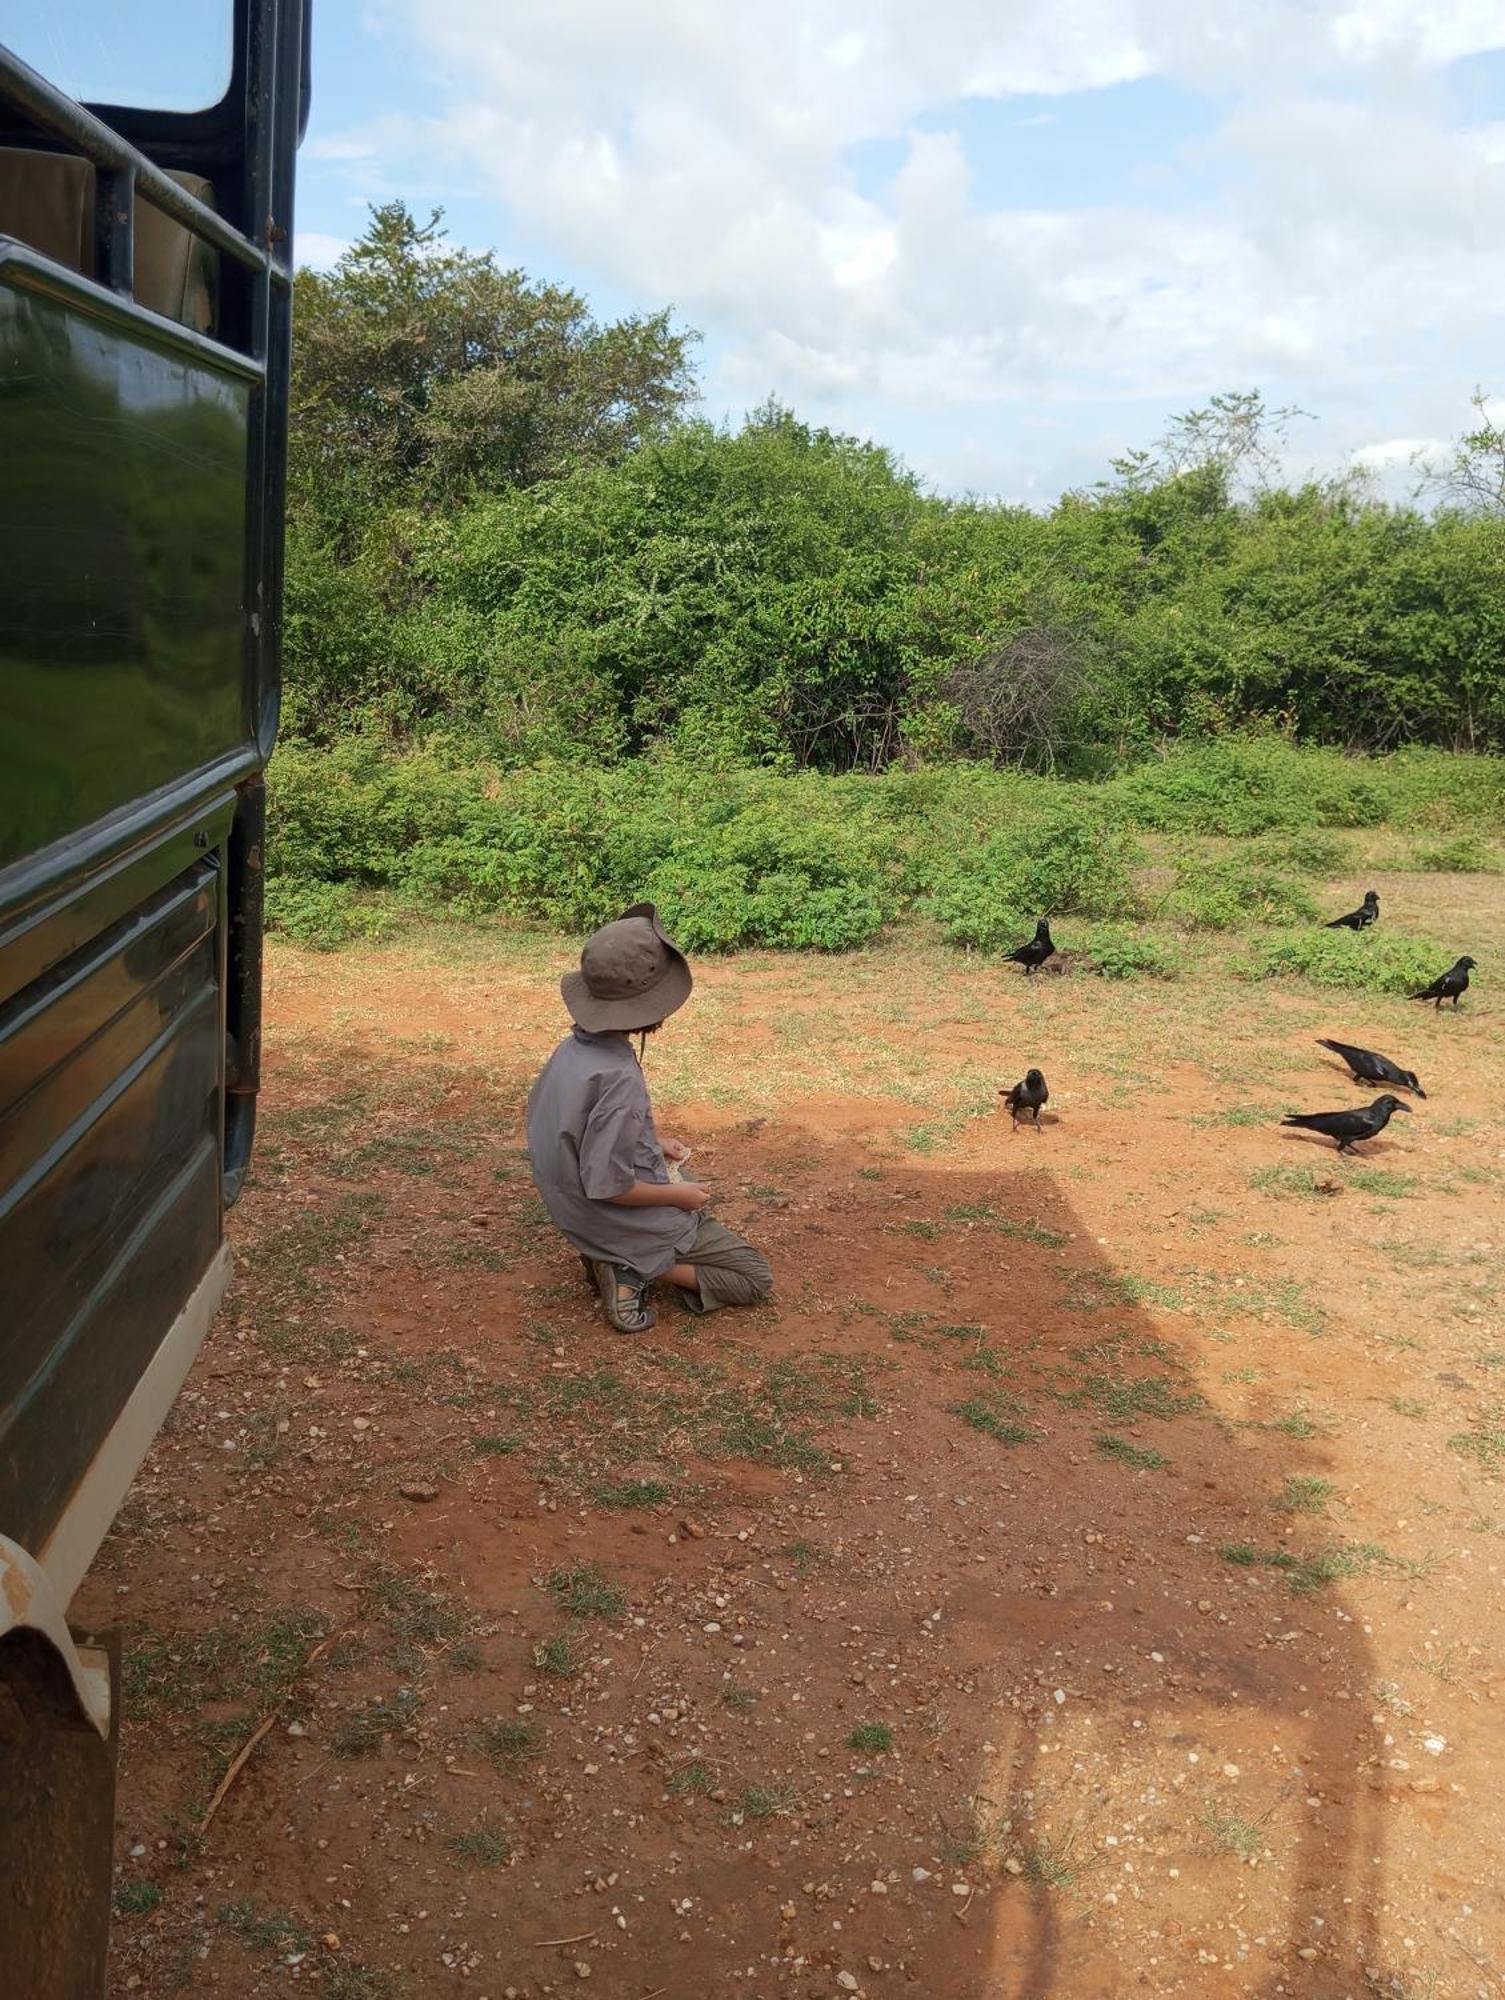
731	1271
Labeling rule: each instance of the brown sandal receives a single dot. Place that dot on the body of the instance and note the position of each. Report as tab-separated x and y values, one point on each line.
630	1315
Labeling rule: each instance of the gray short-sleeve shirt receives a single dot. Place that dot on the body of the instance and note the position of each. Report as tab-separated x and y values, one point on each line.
590	1136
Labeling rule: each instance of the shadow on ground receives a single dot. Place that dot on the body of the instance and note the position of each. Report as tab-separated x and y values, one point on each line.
950	1639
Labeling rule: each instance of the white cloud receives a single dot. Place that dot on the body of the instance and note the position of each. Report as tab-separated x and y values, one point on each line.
1350	245
1390	452
322	252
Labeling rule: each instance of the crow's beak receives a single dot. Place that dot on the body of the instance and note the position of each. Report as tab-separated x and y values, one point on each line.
1398	1106
1418	1089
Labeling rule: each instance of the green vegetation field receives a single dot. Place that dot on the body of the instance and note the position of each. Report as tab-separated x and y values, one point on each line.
1236	840
554	644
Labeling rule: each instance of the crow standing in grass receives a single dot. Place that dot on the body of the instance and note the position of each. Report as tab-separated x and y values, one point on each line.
1449	986
1034	954
1348	1127
1360	919
1367	1067
1028	1096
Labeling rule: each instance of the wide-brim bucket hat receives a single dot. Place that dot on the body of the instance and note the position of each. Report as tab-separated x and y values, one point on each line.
632	975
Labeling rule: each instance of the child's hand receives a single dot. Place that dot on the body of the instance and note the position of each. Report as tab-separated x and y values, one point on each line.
674	1149
691	1195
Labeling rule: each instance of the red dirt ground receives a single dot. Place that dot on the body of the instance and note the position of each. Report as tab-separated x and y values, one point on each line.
1119	1761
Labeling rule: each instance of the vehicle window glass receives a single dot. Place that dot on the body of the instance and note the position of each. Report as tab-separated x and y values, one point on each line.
158	55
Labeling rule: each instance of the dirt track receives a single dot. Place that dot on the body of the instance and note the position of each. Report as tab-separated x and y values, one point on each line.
972	1480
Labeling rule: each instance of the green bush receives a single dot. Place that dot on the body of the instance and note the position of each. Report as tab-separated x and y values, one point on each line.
1247	785
1249	886
1119	951
1305	851
1066	861
325	915
748	857
1463	854
1443	788
1362	962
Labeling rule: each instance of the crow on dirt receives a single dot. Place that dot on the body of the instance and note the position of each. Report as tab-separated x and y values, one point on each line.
1367	1067
1027	1097
1449	985
1360	919
1034	954
1348	1127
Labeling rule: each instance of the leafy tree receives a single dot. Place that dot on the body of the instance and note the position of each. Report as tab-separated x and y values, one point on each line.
1473	479
425	373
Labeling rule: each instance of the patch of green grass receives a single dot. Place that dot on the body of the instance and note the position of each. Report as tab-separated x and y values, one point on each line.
1356	962
1233	1833
1462	854
744	1431
920	1226
136	1899
1441	1666
507	1740
581	1591
419	1617
1382	1181
1136	1290
1334	1564
264	1930
631	1493
363	1733
558	1655
986	1360
483	1845
495	1444
962	1330
1125	1399
692	1780
1407	1406
874	1739
805	1555
1048	1863
767	1802
738	1699
994	1415
1238	1115
348	1979
1484	1444
1020	1230
1137	1455
1284	1299
1304	1493
1299	1183
1295	1424
250	1661
294	1264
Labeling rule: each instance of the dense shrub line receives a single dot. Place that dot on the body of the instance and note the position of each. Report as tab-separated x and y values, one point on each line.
746	857
504	526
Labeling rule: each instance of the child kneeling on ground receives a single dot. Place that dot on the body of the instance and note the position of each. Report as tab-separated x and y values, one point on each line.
599	1165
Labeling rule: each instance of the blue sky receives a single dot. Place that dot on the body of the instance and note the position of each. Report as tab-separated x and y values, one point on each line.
1007	239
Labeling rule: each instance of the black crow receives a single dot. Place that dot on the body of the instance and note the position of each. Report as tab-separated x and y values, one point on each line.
1449	986
1028	1096
1360	919
1348	1127
1034	954
1367	1067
